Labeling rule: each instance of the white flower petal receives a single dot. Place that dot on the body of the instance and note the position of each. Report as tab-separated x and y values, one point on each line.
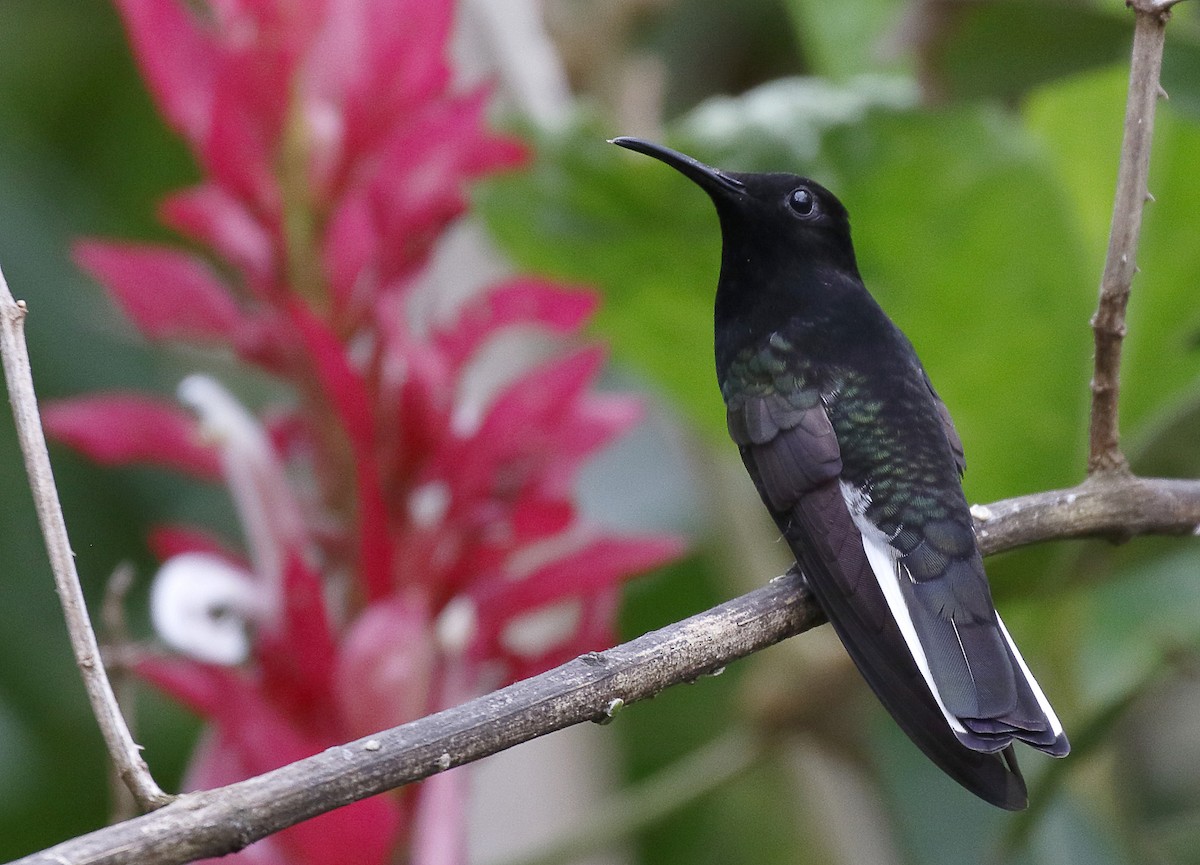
201	605
428	503
455	627
270	516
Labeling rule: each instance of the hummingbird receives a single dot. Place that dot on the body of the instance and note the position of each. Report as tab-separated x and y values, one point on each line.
858	461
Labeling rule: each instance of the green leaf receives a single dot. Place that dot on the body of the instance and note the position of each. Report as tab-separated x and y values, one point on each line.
1080	121
850	37
1005	49
1001	50
1133	619
781	126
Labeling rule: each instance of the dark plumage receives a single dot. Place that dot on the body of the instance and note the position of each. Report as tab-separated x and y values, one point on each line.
859	463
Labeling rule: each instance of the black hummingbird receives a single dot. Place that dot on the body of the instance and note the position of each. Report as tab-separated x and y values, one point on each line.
858	461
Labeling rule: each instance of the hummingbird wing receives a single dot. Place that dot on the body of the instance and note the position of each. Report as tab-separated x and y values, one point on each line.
952	438
980	676
790	450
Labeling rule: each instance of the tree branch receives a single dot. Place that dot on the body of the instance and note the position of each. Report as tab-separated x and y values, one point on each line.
1109	506
121	747
590	688
1120	264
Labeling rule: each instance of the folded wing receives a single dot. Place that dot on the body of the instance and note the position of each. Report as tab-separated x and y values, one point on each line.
919	625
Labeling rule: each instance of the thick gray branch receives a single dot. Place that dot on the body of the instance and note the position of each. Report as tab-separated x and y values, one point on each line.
220	821
1115	507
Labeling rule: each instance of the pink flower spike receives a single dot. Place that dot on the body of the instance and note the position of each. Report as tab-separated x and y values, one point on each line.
297	654
596	421
345	391
530	654
517	425
439	831
341	384
439	825
120	429
177	59
544	397
244	135
216	762
603	417
419	184
261	739
536	516
167	294
201	688
372	64
349	250
209	215
363	833
385	666
595	566
518	301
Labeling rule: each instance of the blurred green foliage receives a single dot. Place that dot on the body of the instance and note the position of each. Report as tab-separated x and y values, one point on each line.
975	145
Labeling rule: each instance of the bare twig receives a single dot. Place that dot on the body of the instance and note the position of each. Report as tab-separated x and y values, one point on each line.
220	821
121	746
1113	507
1120	264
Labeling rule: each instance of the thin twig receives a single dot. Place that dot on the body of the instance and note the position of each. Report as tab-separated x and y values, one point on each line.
1120	264
121	746
221	821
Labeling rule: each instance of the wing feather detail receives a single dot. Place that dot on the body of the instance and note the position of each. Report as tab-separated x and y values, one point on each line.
875	642
794	446
952	437
967	659
919	624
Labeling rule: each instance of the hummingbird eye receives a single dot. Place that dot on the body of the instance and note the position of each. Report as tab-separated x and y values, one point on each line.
802	201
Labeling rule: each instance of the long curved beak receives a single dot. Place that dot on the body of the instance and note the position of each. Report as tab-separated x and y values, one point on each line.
711	180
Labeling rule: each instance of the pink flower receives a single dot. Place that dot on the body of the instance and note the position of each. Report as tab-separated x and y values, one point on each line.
410	531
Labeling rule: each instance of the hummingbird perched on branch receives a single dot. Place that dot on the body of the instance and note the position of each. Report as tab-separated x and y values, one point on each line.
857	459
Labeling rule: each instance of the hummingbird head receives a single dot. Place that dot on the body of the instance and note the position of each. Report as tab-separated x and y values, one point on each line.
773	220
